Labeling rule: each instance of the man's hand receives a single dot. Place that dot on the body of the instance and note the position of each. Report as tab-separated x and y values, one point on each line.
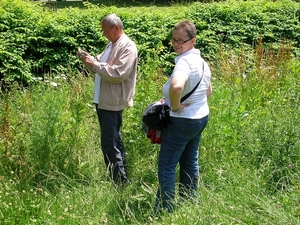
87	59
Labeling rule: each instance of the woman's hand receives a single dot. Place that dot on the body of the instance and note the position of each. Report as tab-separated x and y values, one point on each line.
209	91
181	107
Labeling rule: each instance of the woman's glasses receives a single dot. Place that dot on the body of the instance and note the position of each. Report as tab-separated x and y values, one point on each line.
179	41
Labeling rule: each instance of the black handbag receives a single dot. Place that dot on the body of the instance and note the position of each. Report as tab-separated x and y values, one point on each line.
156	116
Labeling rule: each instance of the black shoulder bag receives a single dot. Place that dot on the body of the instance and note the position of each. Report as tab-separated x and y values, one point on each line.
156	115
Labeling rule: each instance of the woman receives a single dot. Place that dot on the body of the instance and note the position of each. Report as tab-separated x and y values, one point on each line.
181	139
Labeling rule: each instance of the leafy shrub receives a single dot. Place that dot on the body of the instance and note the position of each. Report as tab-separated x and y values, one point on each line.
38	41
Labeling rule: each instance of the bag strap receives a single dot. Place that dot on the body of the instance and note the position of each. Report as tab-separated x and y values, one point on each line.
191	92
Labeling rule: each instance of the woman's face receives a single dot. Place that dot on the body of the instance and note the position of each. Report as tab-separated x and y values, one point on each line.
181	42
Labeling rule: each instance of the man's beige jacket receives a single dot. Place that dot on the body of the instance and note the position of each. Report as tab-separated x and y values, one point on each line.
118	75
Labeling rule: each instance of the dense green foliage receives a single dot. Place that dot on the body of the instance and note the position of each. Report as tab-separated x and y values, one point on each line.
36	41
51	165
121	3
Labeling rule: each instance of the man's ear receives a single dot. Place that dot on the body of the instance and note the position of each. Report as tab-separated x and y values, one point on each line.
194	40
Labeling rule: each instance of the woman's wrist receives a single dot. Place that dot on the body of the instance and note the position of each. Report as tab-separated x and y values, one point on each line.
176	110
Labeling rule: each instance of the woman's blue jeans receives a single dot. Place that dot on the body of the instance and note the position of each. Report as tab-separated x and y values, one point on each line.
180	144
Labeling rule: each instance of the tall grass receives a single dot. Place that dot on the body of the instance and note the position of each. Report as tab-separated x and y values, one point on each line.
52	169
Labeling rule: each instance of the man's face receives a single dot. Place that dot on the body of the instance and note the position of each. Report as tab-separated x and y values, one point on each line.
109	31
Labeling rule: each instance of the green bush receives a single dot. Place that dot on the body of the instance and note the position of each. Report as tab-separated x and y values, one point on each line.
36	41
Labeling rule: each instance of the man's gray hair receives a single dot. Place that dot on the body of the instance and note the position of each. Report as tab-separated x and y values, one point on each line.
113	19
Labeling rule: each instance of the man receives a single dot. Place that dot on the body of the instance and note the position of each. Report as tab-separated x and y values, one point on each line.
116	67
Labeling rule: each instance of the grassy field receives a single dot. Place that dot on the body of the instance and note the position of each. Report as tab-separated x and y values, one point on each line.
249	155
52	169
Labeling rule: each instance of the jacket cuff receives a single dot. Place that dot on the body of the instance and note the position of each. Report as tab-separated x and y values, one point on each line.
97	66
